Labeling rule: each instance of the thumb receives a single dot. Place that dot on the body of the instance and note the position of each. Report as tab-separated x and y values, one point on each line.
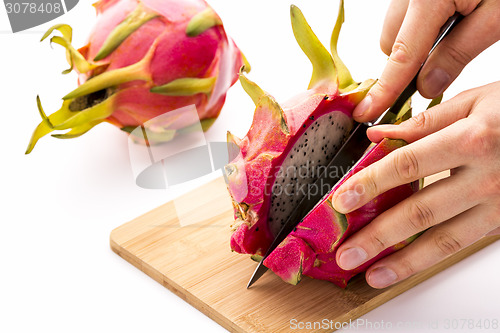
474	34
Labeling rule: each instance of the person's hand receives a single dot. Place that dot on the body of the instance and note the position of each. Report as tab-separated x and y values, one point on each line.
410	28
462	134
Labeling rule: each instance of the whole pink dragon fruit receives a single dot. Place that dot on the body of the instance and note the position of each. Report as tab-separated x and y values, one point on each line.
145	58
283	154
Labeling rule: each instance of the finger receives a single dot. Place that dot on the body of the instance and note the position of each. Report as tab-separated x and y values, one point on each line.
434	204
392	23
409	51
428	121
430	248
474	34
413	42
436	152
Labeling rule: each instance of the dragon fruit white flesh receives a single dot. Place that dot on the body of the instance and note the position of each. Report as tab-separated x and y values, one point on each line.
143	59
282	155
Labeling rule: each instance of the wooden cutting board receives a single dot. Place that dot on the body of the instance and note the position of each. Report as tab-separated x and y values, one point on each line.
184	245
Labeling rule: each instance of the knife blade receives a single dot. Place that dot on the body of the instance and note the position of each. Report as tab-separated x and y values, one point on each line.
350	152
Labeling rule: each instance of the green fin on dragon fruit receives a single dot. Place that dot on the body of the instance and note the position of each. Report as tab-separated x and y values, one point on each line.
144	59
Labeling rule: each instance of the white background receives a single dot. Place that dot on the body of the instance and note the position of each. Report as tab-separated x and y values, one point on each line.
60	203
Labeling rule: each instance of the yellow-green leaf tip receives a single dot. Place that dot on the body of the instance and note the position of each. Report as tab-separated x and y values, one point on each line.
131	23
202	22
324	72
186	87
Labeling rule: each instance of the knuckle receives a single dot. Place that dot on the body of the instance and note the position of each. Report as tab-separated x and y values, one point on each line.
403	54
369	184
446	6
458	55
384	87
490	188
377	240
466	95
466	6
407	267
406	165
446	243
422	120
481	141
420	216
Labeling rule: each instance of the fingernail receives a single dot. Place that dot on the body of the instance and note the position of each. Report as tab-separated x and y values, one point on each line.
347	201
362	107
352	258
435	82
382	277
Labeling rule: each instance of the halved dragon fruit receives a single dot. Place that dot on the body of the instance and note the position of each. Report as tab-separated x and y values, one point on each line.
283	154
145	58
311	248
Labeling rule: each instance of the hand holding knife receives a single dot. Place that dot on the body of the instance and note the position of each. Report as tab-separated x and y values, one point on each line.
352	150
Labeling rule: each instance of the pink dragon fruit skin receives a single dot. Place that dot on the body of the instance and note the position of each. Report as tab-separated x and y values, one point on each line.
143	59
327	105
316	238
303	133
262	153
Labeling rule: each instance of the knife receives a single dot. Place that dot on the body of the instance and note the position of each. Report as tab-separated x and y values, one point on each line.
350	152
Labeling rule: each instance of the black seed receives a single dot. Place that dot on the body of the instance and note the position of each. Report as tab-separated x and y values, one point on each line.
257	229
311	117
